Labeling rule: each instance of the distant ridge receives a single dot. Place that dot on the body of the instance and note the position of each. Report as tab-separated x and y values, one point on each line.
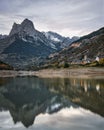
83	50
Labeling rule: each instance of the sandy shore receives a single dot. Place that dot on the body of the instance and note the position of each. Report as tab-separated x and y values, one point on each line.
64	73
77	72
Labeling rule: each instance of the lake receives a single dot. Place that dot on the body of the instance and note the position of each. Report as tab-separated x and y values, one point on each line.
33	103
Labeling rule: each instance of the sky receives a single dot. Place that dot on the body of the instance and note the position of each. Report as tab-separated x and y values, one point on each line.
65	119
66	17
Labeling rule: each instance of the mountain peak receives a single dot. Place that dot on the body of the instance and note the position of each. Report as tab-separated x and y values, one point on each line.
27	22
26	27
15	29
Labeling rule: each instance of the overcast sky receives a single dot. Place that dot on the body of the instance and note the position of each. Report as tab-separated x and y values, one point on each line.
67	17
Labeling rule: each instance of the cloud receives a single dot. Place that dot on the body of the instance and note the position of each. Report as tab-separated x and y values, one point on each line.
68	17
69	118
65	119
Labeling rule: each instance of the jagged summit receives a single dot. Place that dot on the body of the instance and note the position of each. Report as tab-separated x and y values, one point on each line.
27	21
15	29
26	27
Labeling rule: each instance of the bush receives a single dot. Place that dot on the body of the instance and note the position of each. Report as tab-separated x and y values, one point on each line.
92	64
101	62
66	65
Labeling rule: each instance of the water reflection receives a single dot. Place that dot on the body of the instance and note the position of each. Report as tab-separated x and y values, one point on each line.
88	93
27	97
65	119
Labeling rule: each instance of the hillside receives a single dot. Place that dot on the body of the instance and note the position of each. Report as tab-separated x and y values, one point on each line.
84	50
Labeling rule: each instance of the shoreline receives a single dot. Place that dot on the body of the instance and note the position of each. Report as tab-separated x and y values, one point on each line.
61	73
71	73
14	73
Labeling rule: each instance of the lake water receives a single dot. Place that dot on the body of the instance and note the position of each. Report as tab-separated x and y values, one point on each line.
34	103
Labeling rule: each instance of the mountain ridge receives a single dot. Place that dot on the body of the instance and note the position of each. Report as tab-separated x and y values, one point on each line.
26	46
81	51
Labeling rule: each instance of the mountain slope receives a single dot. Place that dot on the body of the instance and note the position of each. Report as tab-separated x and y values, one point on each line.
86	48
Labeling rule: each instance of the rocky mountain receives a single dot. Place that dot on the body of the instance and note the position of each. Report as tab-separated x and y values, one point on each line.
86	49
26	46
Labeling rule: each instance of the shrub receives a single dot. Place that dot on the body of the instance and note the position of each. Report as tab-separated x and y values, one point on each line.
66	65
101	62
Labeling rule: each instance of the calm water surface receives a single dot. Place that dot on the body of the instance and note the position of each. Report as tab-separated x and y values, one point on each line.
34	103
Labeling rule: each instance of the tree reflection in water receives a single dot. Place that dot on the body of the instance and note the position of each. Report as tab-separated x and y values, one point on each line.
27	97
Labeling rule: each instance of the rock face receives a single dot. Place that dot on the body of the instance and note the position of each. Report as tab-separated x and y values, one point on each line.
26	27
87	48
26	46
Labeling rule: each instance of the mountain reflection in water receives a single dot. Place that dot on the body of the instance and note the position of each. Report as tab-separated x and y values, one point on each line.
32	99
